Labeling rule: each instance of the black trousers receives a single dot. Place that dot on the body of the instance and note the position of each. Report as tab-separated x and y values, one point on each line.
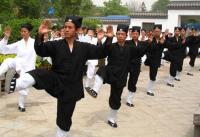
180	66
173	68
115	97
153	70
64	114
192	60
133	77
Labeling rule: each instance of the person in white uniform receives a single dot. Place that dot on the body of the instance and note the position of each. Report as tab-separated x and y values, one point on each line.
90	63
24	61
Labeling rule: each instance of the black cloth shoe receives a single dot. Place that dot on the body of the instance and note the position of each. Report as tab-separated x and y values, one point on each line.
150	94
114	125
169	84
177	79
91	92
12	85
21	109
129	104
87	89
190	74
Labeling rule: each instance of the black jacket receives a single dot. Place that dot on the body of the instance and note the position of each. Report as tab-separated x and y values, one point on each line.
154	53
116	71
67	67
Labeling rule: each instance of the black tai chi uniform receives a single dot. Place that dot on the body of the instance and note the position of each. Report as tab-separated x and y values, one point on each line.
175	54
137	52
116	71
154	55
64	81
193	44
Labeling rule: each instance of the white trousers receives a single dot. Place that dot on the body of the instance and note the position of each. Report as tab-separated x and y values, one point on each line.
178	74
61	133
98	82
90	75
150	86
129	98
90	70
170	80
7	64
22	84
24	81
190	70
112	115
10	63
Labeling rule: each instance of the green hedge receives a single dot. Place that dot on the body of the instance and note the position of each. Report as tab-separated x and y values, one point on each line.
3	57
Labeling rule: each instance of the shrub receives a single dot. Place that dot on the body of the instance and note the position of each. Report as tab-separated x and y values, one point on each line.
3	57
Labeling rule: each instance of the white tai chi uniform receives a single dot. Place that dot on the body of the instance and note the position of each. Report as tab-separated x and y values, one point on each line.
91	63
24	61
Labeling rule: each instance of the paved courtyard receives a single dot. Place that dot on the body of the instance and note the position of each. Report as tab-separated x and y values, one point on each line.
168	114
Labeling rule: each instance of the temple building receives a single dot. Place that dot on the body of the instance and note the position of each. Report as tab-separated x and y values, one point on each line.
185	13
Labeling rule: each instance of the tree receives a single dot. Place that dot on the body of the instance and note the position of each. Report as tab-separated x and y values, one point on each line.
114	7
46	4
160	5
133	6
28	8
91	23
76	7
143	7
7	11
86	8
67	7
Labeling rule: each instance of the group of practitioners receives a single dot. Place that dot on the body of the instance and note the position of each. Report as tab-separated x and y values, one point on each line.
72	47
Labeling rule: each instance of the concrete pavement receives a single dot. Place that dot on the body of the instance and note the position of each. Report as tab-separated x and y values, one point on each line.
168	114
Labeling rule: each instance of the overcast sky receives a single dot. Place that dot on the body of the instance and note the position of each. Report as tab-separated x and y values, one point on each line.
148	3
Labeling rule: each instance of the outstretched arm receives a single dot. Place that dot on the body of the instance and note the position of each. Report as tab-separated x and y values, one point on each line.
43	49
7	49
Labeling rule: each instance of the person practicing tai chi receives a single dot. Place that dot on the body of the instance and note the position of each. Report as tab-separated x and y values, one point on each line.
193	43
115	72
176	49
138	49
154	55
24	61
65	80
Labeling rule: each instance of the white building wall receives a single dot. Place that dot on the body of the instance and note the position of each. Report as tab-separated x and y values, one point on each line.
174	17
139	21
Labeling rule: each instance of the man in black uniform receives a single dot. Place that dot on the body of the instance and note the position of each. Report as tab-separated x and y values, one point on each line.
183	54
138	49
64	81
154	55
176	49
115	72
193	43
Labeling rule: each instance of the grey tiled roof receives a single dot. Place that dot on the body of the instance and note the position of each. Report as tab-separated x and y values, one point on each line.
188	4
114	19
161	15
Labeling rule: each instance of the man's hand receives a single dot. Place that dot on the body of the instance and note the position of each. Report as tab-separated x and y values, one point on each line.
162	40
150	39
7	32
44	27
